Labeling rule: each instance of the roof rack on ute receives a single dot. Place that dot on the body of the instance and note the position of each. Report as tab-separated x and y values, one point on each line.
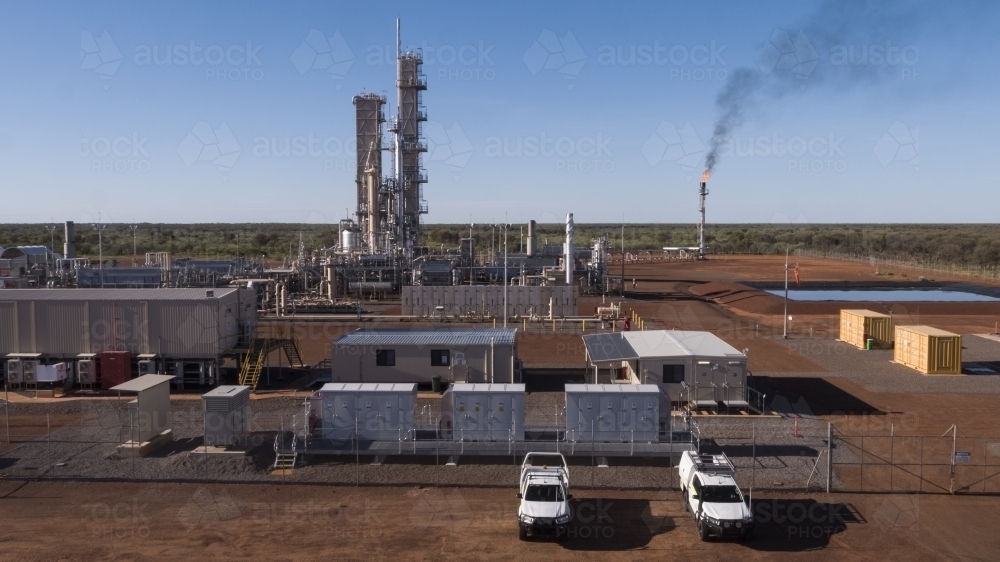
713	463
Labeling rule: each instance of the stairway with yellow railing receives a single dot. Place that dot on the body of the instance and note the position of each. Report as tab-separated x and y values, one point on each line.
253	363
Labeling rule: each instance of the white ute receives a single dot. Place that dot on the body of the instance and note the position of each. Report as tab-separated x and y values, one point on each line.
544	495
710	493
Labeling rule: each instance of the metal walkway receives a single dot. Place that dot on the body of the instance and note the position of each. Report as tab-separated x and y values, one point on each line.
672	444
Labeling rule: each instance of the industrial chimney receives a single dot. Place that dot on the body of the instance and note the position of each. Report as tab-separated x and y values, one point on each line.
69	247
531	239
569	251
702	193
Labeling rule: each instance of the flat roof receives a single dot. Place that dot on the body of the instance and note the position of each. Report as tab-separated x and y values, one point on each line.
613	388
145	382
445	337
929	331
625	346
864	312
486	387
226	391
368	387
602	348
113	294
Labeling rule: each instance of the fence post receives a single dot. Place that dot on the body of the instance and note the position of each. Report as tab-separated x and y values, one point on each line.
829	456
892	442
862	463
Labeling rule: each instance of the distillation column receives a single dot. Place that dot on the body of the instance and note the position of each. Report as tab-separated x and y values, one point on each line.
369	118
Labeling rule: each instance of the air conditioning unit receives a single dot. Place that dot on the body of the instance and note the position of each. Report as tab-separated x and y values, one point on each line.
28	372
15	371
147	367
85	371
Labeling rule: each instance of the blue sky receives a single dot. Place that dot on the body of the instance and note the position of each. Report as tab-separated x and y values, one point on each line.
534	111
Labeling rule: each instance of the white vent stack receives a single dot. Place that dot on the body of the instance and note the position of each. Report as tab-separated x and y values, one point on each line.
569	250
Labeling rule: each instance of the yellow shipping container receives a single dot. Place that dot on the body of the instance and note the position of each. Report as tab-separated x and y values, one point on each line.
856	326
928	350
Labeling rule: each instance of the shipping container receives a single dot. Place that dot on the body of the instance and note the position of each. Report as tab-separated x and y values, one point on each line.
928	350
613	412
376	412
116	368
483	412
858	326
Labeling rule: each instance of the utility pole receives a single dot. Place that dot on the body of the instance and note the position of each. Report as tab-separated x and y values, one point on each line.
623	257
505	279
135	260
785	317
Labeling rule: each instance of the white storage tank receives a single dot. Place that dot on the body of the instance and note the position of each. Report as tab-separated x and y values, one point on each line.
227	415
484	412
379	412
613	412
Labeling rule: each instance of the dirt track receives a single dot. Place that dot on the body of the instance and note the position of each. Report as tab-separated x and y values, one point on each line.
95	521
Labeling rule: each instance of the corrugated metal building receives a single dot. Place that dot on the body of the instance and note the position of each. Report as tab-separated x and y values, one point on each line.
487	300
475	355
168	323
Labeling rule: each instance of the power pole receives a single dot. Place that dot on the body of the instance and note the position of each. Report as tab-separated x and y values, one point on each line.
135	229
785	317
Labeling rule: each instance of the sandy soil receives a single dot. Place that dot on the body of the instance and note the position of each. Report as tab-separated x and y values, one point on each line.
98	521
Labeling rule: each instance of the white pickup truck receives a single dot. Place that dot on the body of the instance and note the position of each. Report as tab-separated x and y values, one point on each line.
710	493
544	495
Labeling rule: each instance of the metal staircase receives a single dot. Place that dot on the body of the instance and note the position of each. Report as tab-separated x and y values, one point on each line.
285	460
291	348
253	363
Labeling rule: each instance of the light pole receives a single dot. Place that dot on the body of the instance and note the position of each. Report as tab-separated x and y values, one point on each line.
135	229
100	247
784	331
505	279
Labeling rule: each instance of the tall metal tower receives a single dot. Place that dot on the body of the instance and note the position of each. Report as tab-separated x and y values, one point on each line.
372	206
409	144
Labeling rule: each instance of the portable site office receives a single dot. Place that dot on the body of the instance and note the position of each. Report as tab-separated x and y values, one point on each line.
471	355
696	368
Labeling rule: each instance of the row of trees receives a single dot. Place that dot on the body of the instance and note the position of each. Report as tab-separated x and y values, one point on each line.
957	244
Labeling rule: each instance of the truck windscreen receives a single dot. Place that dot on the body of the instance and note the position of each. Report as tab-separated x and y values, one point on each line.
720	494
544	493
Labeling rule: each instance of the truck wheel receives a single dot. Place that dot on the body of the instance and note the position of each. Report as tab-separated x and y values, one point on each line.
684	498
522	533
747	536
702	531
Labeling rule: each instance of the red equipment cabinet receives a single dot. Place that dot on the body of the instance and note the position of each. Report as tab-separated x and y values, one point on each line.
116	368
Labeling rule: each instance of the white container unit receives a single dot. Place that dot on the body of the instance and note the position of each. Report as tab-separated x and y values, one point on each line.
227	415
378	412
613	412
483	412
